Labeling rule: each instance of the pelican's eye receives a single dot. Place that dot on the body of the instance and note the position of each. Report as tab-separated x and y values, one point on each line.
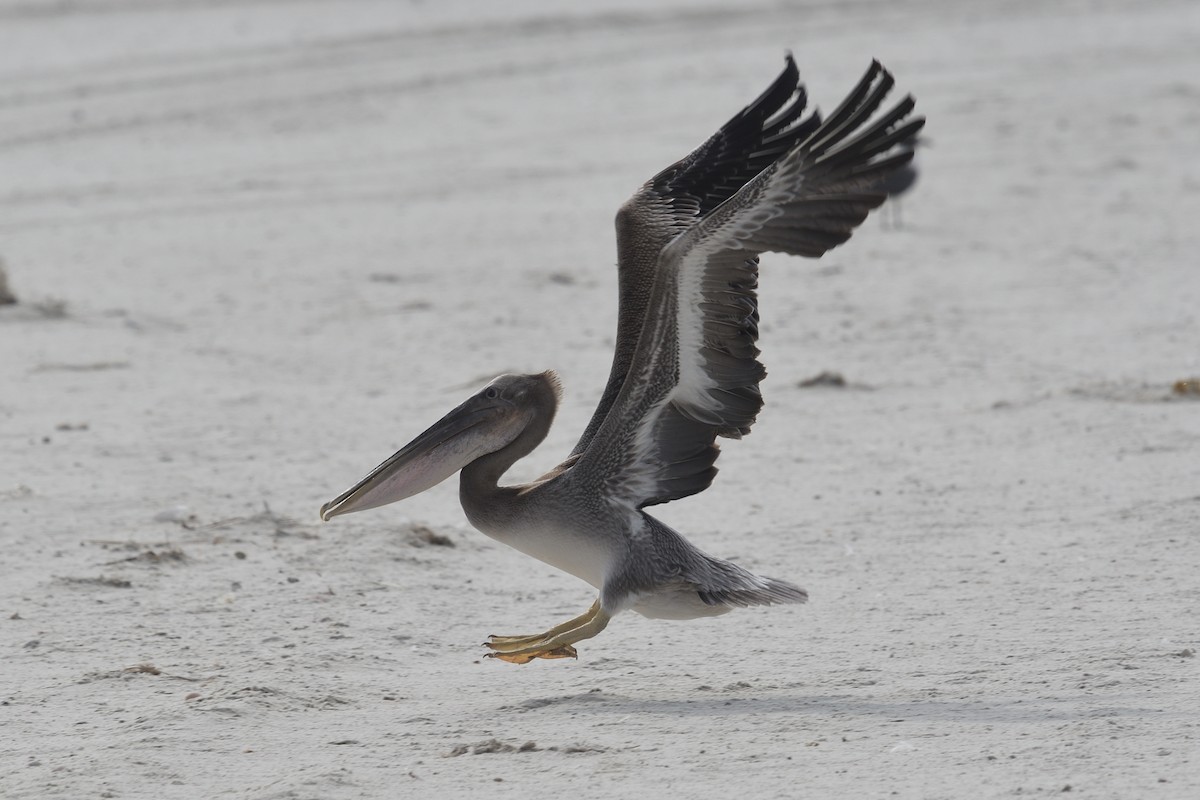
491	393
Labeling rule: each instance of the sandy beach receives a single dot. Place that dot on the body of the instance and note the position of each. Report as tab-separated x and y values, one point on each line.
255	247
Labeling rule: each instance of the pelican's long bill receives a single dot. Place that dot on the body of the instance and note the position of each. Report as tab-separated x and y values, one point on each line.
476	427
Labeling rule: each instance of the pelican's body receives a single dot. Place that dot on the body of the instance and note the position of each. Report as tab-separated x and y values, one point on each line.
685	369
554	522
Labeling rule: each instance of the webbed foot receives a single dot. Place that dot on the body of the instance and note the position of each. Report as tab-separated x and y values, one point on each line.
554	643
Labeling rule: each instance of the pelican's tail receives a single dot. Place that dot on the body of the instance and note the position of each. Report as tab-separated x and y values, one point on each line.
724	587
758	591
684	582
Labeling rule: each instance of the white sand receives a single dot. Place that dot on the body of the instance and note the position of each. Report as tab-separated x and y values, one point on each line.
260	245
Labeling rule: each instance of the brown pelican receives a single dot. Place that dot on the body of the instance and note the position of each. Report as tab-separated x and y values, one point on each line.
685	369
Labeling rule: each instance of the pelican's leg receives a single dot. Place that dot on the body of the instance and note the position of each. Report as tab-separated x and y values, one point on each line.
569	625
554	643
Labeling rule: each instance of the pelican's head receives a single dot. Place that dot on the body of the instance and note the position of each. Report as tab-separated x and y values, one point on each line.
491	420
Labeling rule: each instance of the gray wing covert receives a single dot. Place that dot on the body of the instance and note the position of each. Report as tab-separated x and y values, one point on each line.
674	199
695	374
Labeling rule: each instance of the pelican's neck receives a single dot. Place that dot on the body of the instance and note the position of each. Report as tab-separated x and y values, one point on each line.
482	497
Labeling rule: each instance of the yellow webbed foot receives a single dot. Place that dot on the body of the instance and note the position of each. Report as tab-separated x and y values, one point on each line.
513	640
554	643
566	651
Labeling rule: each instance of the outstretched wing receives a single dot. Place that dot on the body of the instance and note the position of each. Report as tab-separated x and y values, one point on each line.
694	374
674	199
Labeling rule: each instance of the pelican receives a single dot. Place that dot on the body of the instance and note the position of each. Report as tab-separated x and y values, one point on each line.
685	370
